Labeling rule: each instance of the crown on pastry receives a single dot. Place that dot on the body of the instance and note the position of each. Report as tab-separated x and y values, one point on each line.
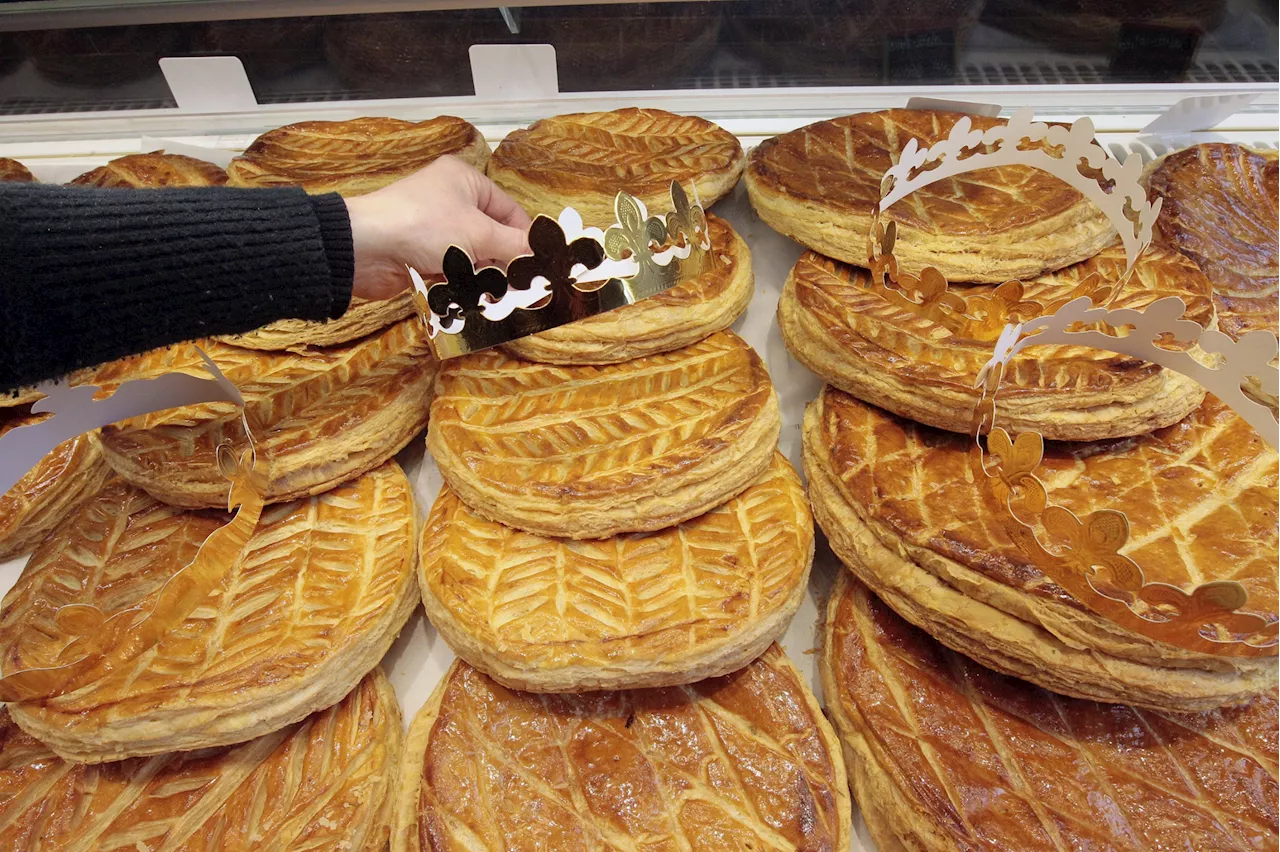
101	642
1083	554
572	273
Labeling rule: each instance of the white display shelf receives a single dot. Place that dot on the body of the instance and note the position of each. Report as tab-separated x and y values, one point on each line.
419	657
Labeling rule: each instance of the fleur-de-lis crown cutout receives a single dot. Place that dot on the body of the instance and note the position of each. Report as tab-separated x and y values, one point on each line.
572	272
45	664
1086	556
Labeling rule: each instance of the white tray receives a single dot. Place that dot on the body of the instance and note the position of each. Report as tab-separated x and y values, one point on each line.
419	657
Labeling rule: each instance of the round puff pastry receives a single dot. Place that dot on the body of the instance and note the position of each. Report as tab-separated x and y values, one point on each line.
744	761
819	183
944	755
582	161
591	452
652	609
1220	209
674	318
11	171
918	368
902	510
48	492
364	316
353	157
157	169
325	783
326	415
323	589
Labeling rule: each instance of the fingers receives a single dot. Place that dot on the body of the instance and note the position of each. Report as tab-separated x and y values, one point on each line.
499	206
500	242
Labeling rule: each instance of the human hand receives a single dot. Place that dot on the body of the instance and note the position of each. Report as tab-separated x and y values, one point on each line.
415	220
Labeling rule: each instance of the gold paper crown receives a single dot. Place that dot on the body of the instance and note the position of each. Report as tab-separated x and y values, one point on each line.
1084	556
102	643
572	273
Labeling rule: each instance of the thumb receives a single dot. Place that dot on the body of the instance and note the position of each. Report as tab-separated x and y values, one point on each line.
497	242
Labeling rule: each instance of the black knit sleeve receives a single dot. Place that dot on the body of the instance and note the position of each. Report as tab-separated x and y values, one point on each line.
89	275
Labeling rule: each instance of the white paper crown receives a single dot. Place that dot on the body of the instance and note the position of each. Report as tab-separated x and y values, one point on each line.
1068	153
573	272
1085	555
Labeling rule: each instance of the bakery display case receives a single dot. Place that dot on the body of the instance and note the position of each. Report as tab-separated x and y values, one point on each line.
746	511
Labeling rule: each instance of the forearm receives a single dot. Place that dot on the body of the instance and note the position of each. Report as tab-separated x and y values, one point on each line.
87	276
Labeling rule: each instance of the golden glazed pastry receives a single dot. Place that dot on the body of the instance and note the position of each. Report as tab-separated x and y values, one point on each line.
819	183
11	171
326	416
744	761
591	452
324	586
677	317
356	156
583	160
325	783
697	600
919	368
364	316
1220	209
903	510
155	169
944	755
45	494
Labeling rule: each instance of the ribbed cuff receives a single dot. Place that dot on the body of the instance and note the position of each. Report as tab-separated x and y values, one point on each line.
335	232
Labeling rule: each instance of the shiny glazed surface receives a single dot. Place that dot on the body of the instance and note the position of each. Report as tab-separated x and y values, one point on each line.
639	599
744	761
1200	495
11	171
354	156
637	150
967	759
318	784
838	164
925	352
307	405
156	169
316	576
1220	209
572	432
46	493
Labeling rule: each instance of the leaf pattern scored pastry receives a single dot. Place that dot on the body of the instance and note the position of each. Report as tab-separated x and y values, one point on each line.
323	588
649	609
323	783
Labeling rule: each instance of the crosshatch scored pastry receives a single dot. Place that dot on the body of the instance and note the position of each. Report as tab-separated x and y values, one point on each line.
325	783
153	170
818	185
354	157
744	761
591	452
673	318
583	160
945	755
653	609
1220	208
43	497
326	416
919	368
322	591
902	509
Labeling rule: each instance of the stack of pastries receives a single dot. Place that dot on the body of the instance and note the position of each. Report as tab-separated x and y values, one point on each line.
615	550
980	704
263	714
